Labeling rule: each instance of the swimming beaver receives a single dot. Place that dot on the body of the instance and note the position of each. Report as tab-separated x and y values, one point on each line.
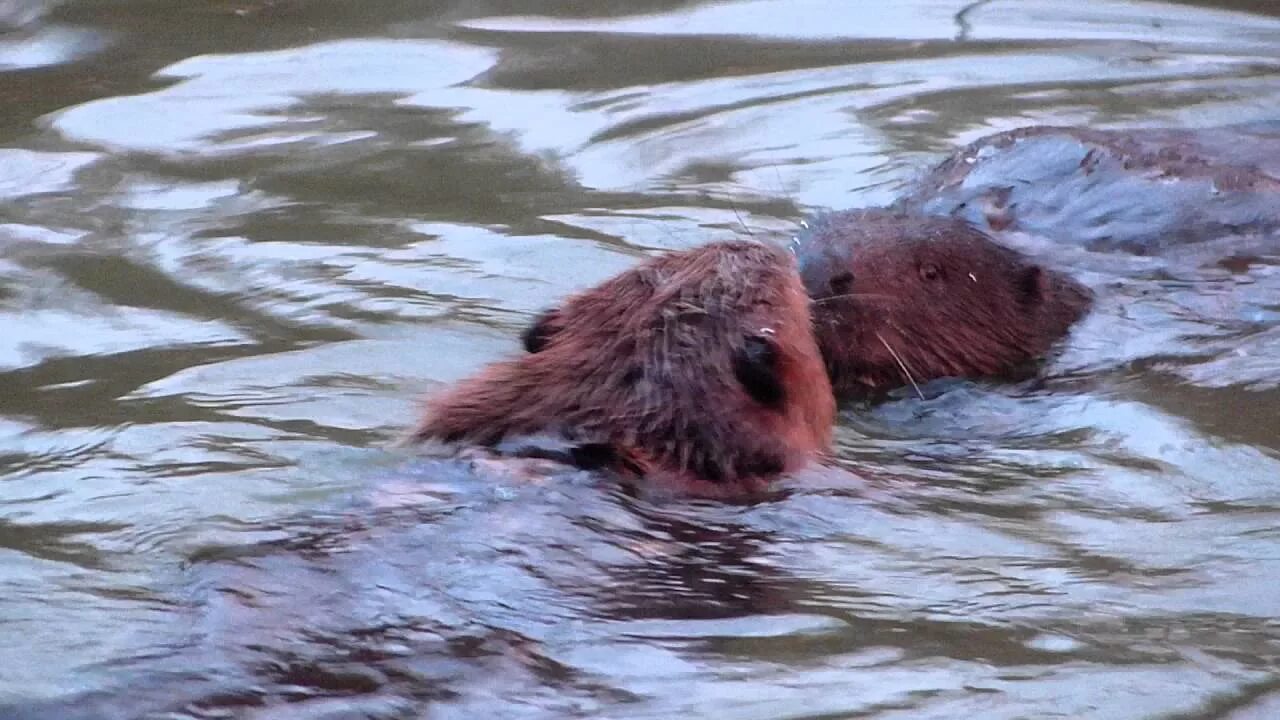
695	371
901	299
916	292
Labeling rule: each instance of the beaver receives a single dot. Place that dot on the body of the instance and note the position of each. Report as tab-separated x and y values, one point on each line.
920	290
1141	191
901	299
696	371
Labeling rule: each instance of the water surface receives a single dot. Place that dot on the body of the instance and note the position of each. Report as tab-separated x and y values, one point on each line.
239	239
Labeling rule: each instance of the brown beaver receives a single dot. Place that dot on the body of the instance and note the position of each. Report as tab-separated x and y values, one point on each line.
695	370
902	299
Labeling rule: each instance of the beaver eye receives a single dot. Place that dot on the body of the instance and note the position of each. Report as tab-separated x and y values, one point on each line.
540	331
930	272
756	366
841	284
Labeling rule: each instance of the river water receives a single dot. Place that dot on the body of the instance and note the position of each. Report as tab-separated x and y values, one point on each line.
240	238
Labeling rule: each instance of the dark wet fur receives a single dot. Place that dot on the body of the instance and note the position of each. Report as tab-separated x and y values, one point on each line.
699	364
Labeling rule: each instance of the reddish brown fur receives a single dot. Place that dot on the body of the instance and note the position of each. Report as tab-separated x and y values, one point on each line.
941	295
649	364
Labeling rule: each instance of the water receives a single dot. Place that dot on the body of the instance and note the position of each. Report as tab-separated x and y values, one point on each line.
241	238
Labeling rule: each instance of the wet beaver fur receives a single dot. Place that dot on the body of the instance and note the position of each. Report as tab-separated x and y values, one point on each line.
903	299
697	371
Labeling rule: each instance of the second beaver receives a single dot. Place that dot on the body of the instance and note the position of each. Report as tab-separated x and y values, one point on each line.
921	291
902	299
695	371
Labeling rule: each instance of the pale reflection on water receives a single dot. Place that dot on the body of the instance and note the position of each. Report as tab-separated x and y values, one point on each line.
239	239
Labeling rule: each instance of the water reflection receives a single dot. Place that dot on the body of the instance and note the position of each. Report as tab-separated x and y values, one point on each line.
239	239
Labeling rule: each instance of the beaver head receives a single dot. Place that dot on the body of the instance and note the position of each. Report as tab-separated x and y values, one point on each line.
697	369
904	299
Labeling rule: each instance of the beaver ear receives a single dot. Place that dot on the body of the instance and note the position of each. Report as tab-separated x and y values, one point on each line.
540	331
755	365
1032	285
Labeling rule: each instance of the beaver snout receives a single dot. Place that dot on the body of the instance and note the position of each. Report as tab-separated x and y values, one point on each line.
824	279
824	265
840	283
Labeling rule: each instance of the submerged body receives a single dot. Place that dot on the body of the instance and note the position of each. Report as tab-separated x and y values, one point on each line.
1141	191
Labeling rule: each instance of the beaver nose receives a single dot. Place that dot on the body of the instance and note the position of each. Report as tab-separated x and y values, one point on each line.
841	283
823	268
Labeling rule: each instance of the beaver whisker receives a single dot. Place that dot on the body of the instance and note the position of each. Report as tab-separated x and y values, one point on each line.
741	222
901	364
859	296
782	187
